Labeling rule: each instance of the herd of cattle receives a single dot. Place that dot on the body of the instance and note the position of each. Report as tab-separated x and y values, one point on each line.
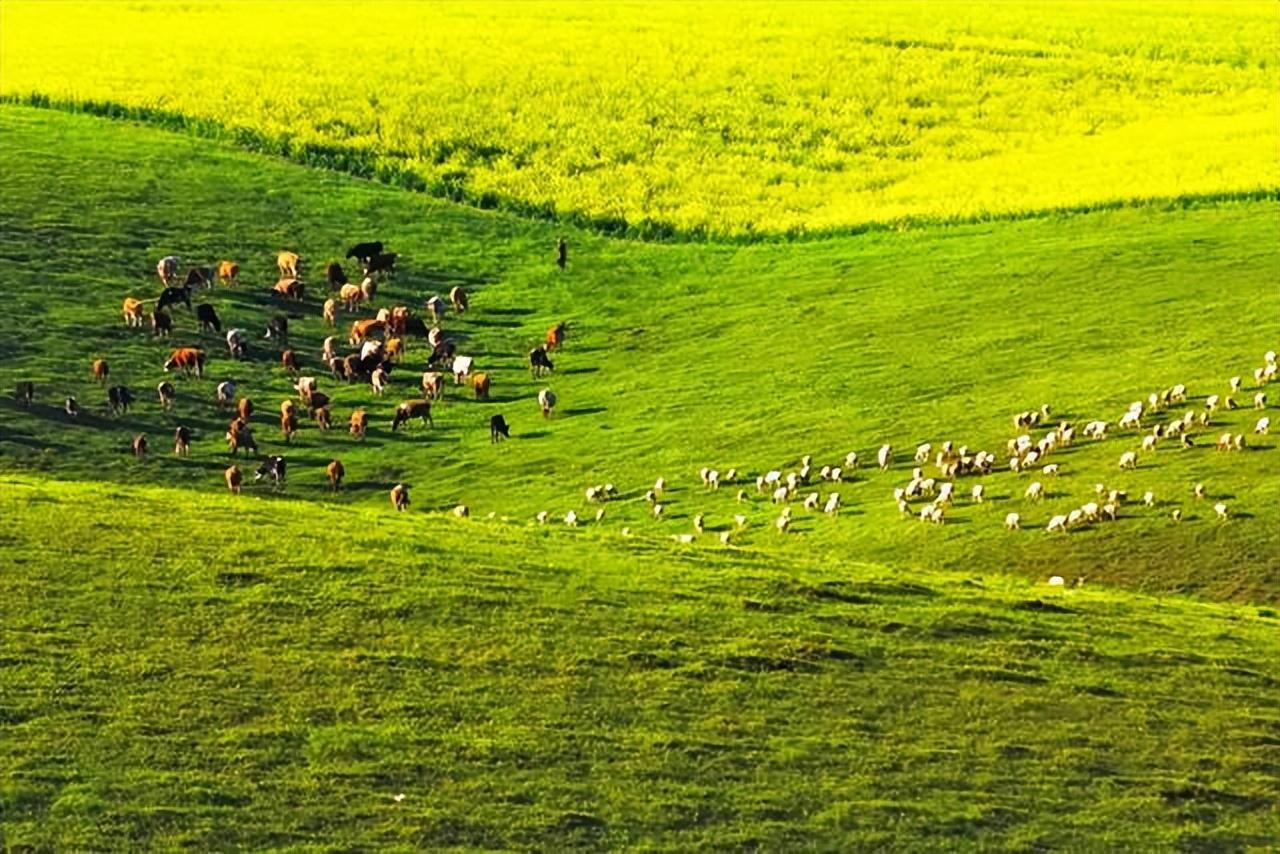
379	344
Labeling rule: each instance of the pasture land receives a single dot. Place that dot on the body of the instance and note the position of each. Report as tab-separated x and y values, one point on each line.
679	357
185	670
700	120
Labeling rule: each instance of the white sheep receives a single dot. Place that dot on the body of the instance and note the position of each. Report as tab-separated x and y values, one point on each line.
851	460
1074	518
1176	515
740	520
1128	460
725	537
1234	382
1221	510
1034	491
1057	523
657	511
1050	470
1178	393
1260	400
903	507
1132	418
731	475
462	511
1149	498
885	457
1198	491
837	474
1224	442
1211	403
1149	443
780	495
1109	510
782	523
698	523
945	492
1263	425
713	479
659	485
1056	581
1090	510
542	517
923	451
1012	521
599	515
977	493
651	497
811	501
742	495
571	519
833	503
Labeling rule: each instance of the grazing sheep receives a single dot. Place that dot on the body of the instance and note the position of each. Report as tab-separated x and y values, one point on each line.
945	492
885	457
1090	511
1057	523
400	497
742	495
542	517
1148	443
1221	510
1034	491
1176	515
903	507
1237	442
1224	442
657	511
923	451
698	523
1109	510
1056	581
1012	521
851	460
1128	460
1075	517
782	523
833	503
1263	426
1149	498
1198	491
651	496
571	519
1050	470
811	501
977	493
659	486
1211	403
1260	400
780	495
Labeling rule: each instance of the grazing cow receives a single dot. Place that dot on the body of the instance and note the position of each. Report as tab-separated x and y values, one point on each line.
227	272
244	408
335	275
371	353
433	385
498	429
562	253
444	353
199	277
330	349
547	400
287	407
174	296
321	415
435	308
101	370
364	251
161	324
415	326
335	472
133	313
378	379
139	445
188	359
167	395
359	423
368	289
278	327
119	399
350	367
234	477
399	497
208	318
182	441
225	392
458	298
383	262
556	336
70	407
351	297
25	393
481	383
288	424
287	263
338	367
290	288
315	401
539	362
237	343
167	268
362	329
289	361
240	435
330	312
274	468
412	409
395	349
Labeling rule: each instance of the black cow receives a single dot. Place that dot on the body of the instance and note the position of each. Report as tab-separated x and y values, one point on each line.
119	399
272	467
208	317
381	264
200	277
539	361
364	251
26	392
498	429
443	354
173	296
336	276
278	327
161	324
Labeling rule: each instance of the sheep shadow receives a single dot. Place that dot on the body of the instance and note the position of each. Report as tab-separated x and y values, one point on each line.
573	371
585	410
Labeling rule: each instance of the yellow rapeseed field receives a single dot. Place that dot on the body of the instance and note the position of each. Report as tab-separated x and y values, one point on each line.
715	119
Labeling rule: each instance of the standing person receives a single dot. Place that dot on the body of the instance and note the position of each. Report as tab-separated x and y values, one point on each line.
562	253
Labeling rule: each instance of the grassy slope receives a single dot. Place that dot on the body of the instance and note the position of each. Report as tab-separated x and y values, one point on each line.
239	673
682	356
658	117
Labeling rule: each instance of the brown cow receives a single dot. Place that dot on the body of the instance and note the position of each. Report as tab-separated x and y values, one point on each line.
287	262
101	370
458	297
240	435
351	296
412	409
362	329
288	407
291	288
395	349
233	476
227	272
289	361
336	472
331	312
244	407
399	496
321	415
481	383
556	336
288	424
133	313
140	445
188	359
359	423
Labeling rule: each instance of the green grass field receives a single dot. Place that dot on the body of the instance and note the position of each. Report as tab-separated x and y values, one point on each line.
657	120
300	670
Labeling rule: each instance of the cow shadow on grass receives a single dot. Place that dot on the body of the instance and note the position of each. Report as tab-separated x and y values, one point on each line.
573	371
585	410
531	434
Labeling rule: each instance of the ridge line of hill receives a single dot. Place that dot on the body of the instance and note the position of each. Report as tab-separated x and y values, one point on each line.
374	166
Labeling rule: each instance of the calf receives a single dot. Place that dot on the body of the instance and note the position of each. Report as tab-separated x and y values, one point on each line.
240	436
498	429
481	383
458	298
274	468
288	263
119	399
208	318
101	370
227	272
233	477
330	312
161	324
188	359
289	361
278	328
433	385
412	409
182	441
167	395
237	343
359	423
244	408
335	472
335	276
539	362
288	425
133	313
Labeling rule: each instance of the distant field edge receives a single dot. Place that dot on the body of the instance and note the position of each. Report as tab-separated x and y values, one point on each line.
390	170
